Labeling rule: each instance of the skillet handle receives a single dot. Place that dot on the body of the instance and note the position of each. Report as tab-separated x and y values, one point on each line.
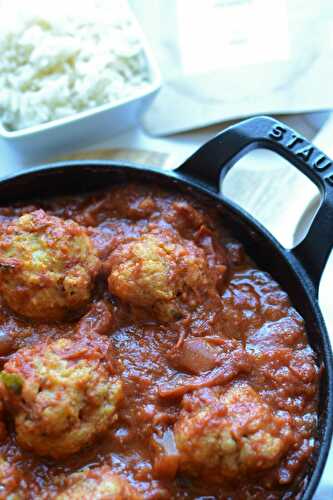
210	164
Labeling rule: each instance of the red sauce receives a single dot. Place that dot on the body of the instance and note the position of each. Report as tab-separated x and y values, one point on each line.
248	332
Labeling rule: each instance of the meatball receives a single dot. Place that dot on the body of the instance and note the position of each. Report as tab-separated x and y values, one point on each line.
163	273
62	394
47	266
230	435
99	483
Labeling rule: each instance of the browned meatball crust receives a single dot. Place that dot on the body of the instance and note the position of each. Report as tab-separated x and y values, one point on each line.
62	394
98	484
231	435
47	266
164	273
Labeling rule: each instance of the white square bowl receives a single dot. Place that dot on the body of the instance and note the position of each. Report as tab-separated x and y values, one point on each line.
82	129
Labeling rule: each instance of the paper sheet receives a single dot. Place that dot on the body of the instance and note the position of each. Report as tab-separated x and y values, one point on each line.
225	59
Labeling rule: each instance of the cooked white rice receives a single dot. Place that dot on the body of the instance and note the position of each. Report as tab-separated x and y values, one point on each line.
60	58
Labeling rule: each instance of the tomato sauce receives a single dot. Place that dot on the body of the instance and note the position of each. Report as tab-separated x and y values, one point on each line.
251	333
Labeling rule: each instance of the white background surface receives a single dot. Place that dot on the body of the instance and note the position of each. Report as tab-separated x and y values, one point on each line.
229	28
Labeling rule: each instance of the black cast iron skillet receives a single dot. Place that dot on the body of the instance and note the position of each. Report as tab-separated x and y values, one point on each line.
298	270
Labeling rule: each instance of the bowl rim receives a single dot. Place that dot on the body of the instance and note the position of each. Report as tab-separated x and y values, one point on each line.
149	88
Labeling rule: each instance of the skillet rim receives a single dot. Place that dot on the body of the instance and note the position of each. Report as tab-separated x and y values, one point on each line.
295	266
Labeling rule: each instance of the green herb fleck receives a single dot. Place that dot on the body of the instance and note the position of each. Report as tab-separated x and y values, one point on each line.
12	381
